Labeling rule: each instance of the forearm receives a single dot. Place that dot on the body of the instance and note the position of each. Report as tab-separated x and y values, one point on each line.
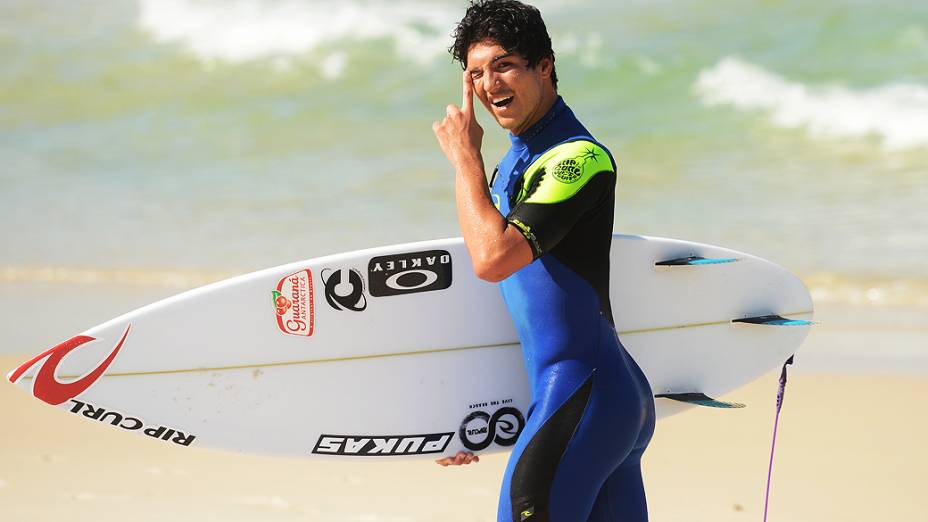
496	249
481	224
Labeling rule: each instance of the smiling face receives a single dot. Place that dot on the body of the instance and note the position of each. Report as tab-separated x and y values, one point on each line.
515	94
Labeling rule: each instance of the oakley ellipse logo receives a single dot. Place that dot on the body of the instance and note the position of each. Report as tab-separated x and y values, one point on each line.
344	293
411	280
47	387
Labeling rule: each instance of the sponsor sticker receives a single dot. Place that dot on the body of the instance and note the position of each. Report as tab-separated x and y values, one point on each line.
409	273
571	169
382	445
126	422
47	387
480	429
344	289
293	304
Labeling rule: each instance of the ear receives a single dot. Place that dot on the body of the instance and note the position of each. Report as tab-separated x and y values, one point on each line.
545	66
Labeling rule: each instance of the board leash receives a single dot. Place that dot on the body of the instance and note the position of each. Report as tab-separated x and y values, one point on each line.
780	393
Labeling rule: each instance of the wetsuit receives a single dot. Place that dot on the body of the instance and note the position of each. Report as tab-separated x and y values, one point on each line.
592	413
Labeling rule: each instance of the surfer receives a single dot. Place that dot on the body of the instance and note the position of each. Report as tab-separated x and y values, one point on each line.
542	229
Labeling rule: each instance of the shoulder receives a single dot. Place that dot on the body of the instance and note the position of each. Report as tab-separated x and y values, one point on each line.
570	161
560	172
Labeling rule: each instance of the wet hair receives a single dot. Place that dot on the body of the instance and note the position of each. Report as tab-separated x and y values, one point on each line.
515	26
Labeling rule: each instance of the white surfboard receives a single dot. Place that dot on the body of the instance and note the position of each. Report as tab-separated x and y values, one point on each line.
401	351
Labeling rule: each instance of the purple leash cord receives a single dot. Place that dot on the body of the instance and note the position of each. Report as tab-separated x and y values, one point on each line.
780	393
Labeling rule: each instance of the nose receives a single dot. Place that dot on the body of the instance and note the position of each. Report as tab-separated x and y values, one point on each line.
490	79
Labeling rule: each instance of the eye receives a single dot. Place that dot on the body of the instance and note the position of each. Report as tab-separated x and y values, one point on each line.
475	75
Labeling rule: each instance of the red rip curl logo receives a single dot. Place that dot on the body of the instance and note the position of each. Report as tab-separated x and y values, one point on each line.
47	387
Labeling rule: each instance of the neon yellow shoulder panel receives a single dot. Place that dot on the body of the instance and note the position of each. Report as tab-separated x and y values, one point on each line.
568	167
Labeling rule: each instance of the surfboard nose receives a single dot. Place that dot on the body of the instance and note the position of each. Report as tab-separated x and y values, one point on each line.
46	386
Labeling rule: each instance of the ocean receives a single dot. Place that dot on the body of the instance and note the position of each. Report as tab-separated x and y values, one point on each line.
181	141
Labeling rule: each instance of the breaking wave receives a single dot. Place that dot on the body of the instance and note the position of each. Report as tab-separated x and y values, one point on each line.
896	114
237	31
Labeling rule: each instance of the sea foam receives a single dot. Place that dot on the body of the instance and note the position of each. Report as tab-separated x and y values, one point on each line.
896	114
238	31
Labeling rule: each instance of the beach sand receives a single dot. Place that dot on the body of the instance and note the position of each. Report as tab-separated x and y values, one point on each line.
851	447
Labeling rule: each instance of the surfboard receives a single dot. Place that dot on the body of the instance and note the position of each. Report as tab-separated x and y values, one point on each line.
401	352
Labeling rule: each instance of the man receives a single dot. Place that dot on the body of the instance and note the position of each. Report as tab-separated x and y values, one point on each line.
543	230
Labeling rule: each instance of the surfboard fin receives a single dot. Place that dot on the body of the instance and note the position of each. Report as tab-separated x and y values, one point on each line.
773	320
695	260
698	399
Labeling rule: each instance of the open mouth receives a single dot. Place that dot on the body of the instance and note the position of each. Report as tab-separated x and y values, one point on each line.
502	103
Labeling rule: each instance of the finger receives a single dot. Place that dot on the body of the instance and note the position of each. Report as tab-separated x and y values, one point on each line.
435	127
467	105
451	110
442	462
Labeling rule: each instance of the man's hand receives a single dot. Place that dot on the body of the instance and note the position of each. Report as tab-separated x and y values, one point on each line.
459	134
463	457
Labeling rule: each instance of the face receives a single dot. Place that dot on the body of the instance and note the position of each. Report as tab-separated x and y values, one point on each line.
515	94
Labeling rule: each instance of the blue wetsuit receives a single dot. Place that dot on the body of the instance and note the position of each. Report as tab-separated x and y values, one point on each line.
592	412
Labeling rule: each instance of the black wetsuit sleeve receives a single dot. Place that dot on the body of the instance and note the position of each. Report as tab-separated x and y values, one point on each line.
549	210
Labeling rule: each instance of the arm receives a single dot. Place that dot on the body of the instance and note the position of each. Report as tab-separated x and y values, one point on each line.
497	249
